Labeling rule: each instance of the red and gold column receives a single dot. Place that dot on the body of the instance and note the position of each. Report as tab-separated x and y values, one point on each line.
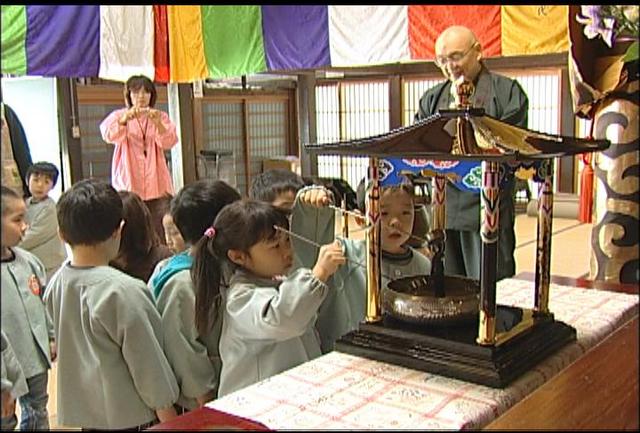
489	260
543	249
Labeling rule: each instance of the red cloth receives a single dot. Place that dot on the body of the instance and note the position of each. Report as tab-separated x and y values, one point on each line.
205	418
586	190
161	44
427	22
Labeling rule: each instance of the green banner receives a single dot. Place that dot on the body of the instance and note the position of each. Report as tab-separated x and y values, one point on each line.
233	42
14	35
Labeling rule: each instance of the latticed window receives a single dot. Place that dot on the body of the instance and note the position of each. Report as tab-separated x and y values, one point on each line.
223	132
348	110
253	129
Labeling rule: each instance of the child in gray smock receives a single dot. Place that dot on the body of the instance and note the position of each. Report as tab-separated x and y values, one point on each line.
344	308
24	319
112	371
194	357
41	237
268	321
278	187
12	384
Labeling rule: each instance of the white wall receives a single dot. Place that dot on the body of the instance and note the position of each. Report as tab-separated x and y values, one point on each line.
34	100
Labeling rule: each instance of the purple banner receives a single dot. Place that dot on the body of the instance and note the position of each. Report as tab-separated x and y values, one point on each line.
296	37
63	41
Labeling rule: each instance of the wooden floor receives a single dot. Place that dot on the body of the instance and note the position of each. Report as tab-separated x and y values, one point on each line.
570	256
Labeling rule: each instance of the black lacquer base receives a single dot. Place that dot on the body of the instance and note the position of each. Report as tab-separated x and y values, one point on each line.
452	351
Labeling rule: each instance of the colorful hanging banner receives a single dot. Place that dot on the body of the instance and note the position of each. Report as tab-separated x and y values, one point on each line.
14	35
296	37
126	42
161	44
63	41
233	41
362	35
186	45
427	22
530	30
183	44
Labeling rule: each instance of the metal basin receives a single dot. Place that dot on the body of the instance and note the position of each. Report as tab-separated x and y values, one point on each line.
413	299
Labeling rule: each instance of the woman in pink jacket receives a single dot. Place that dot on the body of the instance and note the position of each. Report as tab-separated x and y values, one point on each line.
141	134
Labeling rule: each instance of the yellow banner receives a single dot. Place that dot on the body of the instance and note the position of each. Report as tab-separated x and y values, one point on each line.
528	30
186	46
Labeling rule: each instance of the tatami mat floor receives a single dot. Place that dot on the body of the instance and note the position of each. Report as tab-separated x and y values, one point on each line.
570	246
570	256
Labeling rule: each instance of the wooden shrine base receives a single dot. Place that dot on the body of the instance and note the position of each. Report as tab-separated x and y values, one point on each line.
452	351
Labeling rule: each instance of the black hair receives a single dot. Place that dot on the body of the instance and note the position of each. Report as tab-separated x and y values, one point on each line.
138	235
340	189
361	194
46	168
89	212
269	184
238	226
196	205
136	82
8	193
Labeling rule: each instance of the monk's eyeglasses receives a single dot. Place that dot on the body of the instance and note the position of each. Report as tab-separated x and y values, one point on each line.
454	57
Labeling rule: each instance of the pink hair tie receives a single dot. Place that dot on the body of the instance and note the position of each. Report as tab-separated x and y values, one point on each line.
210	232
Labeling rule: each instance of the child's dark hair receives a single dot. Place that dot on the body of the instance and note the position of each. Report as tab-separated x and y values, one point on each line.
8	193
45	168
196	205
138	235
238	226
89	212
361	193
268	185
137	82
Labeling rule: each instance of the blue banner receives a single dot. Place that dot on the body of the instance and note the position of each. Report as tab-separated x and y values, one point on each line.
466	175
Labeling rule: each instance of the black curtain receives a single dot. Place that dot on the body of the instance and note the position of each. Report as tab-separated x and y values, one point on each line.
19	145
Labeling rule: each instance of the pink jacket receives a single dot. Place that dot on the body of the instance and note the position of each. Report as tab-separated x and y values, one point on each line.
138	163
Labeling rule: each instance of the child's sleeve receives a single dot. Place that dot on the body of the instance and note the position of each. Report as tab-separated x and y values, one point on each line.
43	228
12	379
132	321
277	313
421	264
314	223
191	362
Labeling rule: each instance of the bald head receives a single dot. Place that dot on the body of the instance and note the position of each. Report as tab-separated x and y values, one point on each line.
456	34
458	53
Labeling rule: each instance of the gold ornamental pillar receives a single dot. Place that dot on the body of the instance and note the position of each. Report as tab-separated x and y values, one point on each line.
543	248
438	201
372	209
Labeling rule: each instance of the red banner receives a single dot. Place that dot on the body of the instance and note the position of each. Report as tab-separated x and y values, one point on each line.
161	44
427	22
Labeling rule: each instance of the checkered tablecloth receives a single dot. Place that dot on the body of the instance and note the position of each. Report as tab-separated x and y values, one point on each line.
342	391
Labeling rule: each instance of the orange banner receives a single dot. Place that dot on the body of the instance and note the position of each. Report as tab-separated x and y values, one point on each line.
186	47
528	30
